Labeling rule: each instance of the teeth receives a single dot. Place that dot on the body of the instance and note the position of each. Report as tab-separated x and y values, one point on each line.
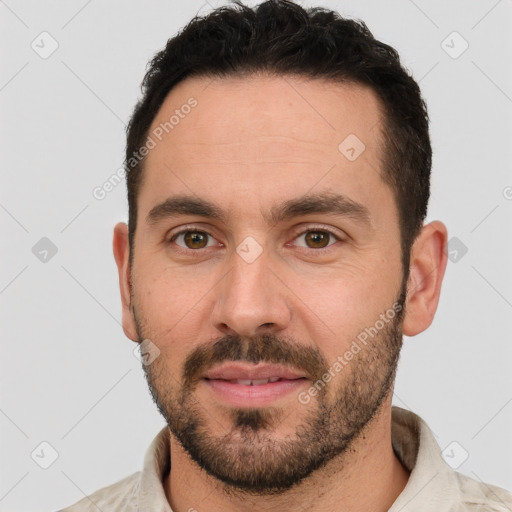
256	382
244	382
259	382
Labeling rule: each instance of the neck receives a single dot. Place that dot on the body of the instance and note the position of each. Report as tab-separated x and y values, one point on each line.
342	485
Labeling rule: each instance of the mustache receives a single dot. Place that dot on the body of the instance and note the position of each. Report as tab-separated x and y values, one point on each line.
266	348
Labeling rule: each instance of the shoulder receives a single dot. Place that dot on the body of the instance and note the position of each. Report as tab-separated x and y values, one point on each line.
433	484
476	496
120	496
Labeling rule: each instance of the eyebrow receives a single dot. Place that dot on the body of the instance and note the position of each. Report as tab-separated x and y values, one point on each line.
328	203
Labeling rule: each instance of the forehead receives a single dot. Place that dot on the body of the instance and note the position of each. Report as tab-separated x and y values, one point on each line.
262	139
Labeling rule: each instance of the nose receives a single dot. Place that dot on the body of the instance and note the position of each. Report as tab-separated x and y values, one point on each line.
250	299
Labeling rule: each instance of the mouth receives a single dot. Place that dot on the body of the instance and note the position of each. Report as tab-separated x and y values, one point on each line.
253	385
255	382
253	373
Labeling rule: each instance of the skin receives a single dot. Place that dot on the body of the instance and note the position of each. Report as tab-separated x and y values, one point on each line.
250	144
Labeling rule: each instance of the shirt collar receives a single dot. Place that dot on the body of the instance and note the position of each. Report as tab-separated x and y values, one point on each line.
157	461
431	481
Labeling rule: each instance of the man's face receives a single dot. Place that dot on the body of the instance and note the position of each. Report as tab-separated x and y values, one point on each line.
268	280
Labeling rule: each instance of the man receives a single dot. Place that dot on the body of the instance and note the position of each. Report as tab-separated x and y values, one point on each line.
278	172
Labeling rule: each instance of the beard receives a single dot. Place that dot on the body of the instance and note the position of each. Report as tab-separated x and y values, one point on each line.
250	457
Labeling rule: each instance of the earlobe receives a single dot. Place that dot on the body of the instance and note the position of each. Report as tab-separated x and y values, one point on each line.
427	268
121	249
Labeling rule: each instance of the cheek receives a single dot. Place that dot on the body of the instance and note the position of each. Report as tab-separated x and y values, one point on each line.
342	305
168	293
165	307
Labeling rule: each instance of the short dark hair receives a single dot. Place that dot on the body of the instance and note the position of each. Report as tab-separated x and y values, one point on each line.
280	37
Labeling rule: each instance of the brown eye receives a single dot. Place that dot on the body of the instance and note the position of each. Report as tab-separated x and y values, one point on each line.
317	239
192	239
196	240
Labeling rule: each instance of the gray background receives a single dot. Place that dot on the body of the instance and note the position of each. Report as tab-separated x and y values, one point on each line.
69	375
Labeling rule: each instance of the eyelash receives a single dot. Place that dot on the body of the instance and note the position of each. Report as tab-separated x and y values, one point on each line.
297	235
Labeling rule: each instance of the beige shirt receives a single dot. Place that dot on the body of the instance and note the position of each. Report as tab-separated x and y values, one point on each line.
433	485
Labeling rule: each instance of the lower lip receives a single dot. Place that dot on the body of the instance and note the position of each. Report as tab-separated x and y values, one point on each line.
253	396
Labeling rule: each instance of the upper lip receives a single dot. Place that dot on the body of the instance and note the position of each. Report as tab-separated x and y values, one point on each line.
239	371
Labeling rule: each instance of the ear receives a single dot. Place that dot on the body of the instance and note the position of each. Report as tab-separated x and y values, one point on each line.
427	267
121	248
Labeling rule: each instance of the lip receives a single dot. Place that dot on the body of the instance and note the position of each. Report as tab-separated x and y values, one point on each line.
240	371
240	395
222	382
